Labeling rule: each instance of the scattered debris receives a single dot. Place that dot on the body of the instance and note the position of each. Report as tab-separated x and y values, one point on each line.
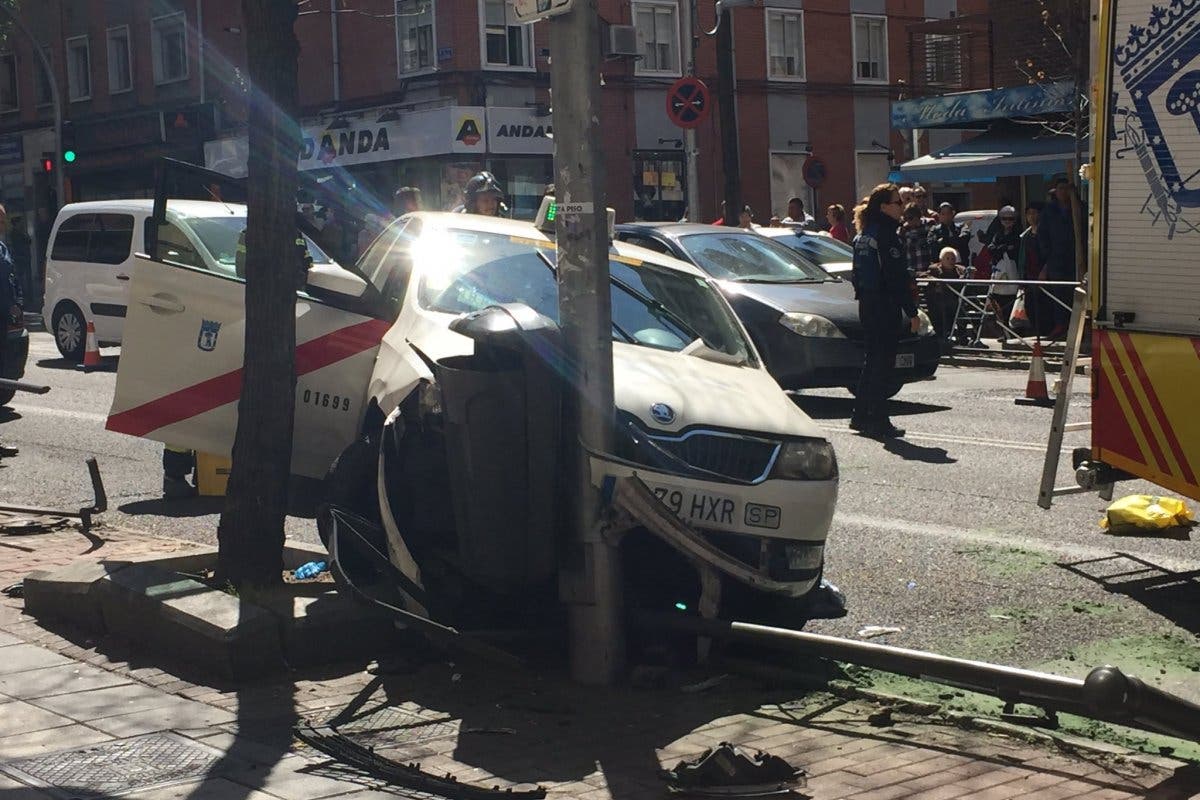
881	718
14	524
729	771
693	688
1000	616
912	584
871	631
310	570
85	514
15	591
1141	513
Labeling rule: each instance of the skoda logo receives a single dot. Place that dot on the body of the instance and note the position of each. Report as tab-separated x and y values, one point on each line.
662	413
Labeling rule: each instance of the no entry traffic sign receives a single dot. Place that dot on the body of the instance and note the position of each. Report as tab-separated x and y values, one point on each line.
688	102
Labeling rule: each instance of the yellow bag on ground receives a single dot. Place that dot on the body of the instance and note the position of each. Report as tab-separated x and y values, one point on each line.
1146	512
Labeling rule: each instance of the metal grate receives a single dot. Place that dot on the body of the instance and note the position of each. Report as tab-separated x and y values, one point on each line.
739	457
118	767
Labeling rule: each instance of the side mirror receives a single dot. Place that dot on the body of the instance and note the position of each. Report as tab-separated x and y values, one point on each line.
501	321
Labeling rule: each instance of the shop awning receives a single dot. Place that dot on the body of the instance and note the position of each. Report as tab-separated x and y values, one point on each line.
1005	150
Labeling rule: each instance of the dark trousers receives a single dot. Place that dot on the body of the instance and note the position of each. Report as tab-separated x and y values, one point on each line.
880	318
177	464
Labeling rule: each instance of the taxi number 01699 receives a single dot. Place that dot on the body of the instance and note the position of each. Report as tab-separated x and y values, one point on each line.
325	400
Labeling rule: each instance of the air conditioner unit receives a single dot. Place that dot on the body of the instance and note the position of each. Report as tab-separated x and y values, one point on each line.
622	40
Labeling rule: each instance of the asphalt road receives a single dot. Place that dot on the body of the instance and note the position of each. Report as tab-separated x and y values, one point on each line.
938	535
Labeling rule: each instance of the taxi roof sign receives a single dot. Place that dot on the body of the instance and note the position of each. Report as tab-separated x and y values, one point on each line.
534	10
550	210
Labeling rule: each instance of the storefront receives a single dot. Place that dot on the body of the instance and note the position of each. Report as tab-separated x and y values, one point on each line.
520	147
659	185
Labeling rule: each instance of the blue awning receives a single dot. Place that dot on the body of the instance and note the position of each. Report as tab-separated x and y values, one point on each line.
1005	150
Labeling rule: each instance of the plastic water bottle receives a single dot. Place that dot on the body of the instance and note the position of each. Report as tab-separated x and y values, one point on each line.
310	570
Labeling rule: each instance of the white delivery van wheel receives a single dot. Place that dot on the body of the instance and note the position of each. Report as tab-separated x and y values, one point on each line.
70	331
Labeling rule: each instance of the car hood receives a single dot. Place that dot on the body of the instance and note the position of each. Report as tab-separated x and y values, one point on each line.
698	391
703	393
833	300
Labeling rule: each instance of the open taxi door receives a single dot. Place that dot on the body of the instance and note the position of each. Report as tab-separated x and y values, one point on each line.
180	372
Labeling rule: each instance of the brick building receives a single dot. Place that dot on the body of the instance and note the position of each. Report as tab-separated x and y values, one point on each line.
425	92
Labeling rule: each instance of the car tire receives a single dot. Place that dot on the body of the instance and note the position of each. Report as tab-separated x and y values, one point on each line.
70	331
350	481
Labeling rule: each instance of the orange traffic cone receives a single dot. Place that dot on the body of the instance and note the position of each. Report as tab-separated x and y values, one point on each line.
1036	393
91	353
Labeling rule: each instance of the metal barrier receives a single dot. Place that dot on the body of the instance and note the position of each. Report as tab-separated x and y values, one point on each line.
965	300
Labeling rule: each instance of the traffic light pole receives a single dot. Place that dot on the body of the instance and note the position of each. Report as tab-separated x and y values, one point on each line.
55	98
590	582
726	108
691	154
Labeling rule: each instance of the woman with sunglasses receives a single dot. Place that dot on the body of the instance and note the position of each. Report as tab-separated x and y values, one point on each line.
881	286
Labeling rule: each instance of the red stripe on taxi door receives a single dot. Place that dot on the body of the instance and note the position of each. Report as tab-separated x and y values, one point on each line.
215	392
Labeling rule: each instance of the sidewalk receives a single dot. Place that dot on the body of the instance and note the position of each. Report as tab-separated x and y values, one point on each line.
80	718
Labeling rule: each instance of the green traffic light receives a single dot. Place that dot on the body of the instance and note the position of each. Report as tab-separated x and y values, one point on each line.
69	156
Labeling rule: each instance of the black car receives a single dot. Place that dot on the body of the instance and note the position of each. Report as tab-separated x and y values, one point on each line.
803	320
14	351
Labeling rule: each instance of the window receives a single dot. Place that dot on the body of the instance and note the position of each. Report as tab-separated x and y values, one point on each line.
787	181
785	45
120	77
71	241
9	100
657	37
415	49
169	48
506	44
943	60
44	95
870	49
111	239
79	68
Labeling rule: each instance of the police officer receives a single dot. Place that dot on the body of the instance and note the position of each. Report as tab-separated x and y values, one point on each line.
483	195
880	278
10	295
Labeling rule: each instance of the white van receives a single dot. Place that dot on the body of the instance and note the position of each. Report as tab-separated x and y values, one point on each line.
92	247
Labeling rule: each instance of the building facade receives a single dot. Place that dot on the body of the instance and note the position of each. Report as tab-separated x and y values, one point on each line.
426	92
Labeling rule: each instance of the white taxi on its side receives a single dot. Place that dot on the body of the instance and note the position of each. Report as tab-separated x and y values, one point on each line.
709	430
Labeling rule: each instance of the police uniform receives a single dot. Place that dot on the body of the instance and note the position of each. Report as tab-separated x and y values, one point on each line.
880	278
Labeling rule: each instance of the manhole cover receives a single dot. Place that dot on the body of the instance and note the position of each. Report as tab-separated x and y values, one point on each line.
114	768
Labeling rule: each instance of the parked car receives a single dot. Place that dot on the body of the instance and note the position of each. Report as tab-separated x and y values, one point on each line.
92	251
702	422
803	320
14	352
833	256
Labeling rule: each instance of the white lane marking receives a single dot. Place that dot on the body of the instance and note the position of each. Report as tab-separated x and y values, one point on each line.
1003	444
1076	552
44	411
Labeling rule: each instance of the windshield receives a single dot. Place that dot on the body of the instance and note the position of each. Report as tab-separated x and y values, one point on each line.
747	256
652	306
219	236
824	251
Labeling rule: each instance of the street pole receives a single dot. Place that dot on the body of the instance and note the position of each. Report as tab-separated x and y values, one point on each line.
590	581
726	91
692	175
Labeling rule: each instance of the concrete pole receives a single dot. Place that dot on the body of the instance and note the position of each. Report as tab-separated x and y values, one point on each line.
726	107
590	581
691	154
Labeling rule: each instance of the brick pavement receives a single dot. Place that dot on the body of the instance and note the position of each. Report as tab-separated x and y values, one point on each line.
61	690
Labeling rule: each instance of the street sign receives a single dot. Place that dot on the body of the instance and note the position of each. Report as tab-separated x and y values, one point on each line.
534	10
688	102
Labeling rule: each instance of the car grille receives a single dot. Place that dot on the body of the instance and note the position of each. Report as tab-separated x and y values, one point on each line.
740	457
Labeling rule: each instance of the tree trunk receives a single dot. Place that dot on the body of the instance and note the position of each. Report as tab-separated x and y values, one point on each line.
251	533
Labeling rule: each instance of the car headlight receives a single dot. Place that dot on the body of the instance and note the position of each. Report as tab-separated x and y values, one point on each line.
811	460
924	323
810	325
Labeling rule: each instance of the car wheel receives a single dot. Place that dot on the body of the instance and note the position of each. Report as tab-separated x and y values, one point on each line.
350	482
70	331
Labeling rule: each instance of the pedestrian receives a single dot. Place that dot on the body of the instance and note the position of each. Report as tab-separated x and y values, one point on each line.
921	198
947	233
775	222
1030	267
881	286
746	219
941	302
10	296
373	225
1005	247
721	219
906	195
835	215
796	215
483	195
406	200
1056	242
917	255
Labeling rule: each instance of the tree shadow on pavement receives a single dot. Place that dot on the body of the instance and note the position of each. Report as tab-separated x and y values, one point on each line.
1170	594
185	507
